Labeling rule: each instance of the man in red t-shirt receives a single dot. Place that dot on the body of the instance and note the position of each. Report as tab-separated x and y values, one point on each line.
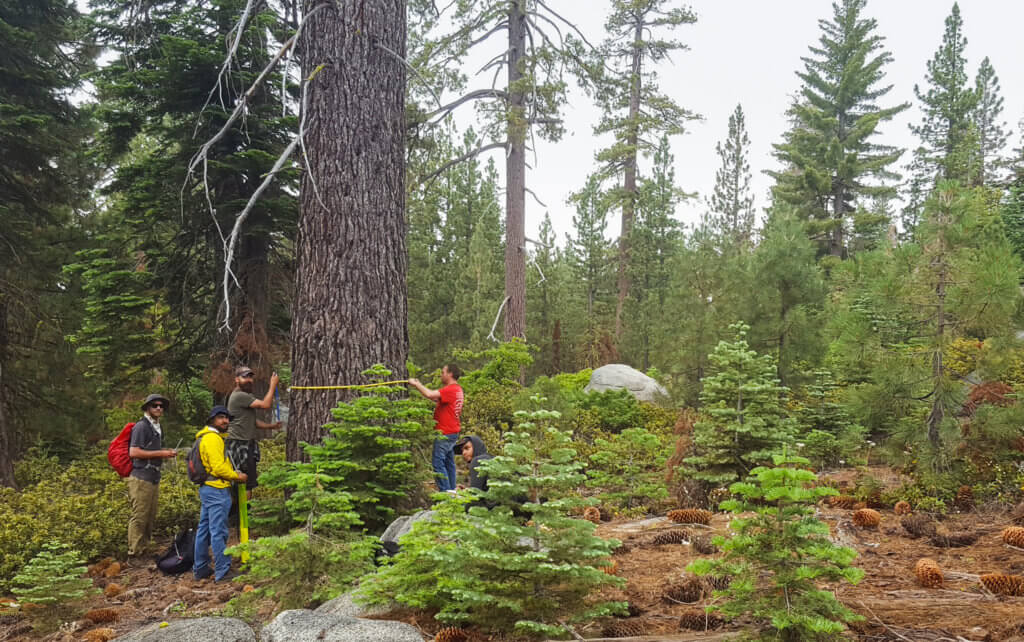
446	417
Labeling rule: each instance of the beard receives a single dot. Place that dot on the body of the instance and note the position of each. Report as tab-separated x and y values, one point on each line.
246	386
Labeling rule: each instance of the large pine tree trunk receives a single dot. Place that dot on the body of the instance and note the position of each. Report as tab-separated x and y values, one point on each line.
515	179
350	307
629	183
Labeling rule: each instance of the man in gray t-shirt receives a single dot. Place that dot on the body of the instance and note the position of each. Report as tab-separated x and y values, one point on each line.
241	446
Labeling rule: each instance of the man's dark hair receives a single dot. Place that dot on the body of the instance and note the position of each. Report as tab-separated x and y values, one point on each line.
454	370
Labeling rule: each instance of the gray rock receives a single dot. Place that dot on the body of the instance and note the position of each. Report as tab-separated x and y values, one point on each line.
303	626
400	527
617	376
200	629
346	606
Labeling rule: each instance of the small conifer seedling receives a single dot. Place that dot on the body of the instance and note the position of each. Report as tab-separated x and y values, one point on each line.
782	590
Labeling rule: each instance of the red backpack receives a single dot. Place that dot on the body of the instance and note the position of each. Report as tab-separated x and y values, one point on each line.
117	452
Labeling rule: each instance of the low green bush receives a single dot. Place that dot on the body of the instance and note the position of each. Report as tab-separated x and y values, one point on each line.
302	571
53	583
82	504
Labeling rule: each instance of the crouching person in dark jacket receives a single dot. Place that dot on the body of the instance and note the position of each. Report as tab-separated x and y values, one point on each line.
474	451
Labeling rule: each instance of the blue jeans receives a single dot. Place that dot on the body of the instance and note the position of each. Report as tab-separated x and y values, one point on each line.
212	532
443	460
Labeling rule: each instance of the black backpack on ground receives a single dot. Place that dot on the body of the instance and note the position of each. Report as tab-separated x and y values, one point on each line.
180	555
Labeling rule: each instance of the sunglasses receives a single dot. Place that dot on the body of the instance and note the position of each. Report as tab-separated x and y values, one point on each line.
157	405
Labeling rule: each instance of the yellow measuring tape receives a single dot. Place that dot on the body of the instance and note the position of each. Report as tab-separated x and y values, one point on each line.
355	385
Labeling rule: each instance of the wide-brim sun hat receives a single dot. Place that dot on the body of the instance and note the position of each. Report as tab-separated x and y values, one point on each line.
156	397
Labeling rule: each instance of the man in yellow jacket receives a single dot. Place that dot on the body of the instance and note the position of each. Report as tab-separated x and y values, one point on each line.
215	498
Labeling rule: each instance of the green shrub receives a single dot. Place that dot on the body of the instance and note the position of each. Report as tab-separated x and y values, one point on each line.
615	410
84	504
522	565
629	468
302	571
364	469
778	555
52	583
831	450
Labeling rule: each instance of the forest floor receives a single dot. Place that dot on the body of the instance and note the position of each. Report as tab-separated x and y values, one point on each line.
894	606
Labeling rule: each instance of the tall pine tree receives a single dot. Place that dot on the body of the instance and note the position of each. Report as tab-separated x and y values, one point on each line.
948	103
830	156
732	204
990	130
41	63
635	110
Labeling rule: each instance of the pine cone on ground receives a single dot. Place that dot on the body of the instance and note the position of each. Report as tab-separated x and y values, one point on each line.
1002	584
845	502
698	620
964	498
875	500
1014	536
717	582
918	525
867	518
97	569
703	545
954	540
675	536
902	508
625	629
592	514
102	616
689	590
456	634
690	516
928	573
100	635
113	590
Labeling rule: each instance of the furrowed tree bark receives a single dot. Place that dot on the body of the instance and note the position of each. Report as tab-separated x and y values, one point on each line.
629	181
350	307
515	179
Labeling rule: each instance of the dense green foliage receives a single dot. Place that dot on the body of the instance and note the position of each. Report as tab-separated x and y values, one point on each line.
744	422
777	556
365	467
56	498
825	326
472	567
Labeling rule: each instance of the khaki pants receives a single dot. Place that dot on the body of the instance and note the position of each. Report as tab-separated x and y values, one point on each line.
142	496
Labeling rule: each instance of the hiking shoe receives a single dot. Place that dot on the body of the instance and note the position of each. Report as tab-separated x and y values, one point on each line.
204	574
229	576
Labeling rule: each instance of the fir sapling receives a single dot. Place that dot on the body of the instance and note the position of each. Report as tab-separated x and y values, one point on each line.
628	468
53	583
778	555
517	560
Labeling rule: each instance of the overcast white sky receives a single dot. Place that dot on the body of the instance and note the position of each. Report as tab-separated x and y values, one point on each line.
747	51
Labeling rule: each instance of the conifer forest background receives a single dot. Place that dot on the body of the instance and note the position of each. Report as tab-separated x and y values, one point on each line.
312	188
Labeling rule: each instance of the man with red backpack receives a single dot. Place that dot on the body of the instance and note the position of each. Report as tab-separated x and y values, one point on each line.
147	453
214	473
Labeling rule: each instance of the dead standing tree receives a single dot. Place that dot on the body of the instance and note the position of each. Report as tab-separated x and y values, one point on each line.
349	310
540	49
